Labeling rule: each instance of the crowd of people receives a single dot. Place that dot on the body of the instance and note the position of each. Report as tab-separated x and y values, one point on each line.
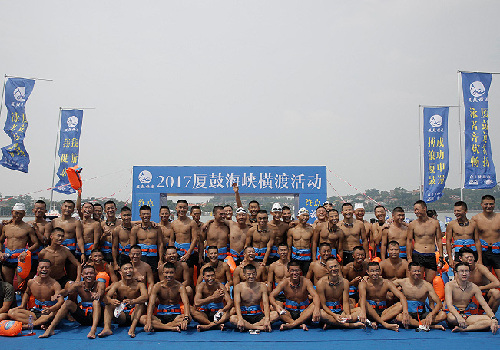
244	270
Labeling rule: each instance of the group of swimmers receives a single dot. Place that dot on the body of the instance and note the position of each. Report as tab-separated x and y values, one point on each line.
251	272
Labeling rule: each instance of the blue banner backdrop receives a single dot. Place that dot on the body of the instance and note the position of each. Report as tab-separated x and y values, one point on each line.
436	152
69	143
479	168
17	92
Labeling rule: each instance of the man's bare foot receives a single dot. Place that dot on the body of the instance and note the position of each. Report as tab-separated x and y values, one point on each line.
91	335
304	327
325	327
285	326
131	333
357	325
46	334
222	326
438	326
392	327
374	325
457	329
105	333
203	327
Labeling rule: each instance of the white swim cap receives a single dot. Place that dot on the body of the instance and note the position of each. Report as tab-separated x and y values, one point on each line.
277	207
358	206
241	210
303	211
19	207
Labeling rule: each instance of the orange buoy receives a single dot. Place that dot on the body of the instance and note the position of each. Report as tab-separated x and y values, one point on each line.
103	277
24	267
230	261
438	285
9	328
74	178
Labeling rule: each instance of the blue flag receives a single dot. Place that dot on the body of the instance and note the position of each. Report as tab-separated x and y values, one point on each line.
69	144
479	167
17	91
436	152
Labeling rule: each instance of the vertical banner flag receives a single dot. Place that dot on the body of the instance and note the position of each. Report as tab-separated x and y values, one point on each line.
479	167
436	152
17	91
69	141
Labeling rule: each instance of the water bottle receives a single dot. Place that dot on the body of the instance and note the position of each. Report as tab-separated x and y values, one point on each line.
30	324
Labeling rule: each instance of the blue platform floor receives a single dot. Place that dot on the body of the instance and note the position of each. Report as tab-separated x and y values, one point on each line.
72	337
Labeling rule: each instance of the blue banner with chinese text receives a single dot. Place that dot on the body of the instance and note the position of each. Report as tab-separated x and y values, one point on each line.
436	152
479	168
69	144
17	92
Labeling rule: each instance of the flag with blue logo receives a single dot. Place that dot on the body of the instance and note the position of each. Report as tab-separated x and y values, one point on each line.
69	144
17	92
479	168
436	152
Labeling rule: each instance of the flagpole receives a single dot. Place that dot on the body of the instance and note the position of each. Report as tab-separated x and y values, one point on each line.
462	158
55	159
420	137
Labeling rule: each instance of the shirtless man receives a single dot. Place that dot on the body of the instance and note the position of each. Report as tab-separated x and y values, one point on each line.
300	239
238	235
248	298
60	256
355	271
217	233
397	231
97	212
17	233
249	259
423	235
286	215
394	267
185	234
321	218
318	269
196	216
42	287
91	229
73	231
462	232
149	238
88	311
297	308
482	277
107	228
121	238
354	234
261	238
166	227
330	234
278	229
278	270
168	294
211	302
488	226
359	214
417	290
182	273
42	230
375	235
228	211
131	294
458	298
142	271
333	292
328	206
373	302
96	260
221	269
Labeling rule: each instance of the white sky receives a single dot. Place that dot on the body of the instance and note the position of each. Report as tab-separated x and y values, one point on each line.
335	83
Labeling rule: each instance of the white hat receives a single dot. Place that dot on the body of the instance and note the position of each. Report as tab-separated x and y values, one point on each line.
358	206
303	211
328	203
19	206
277	207
241	210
